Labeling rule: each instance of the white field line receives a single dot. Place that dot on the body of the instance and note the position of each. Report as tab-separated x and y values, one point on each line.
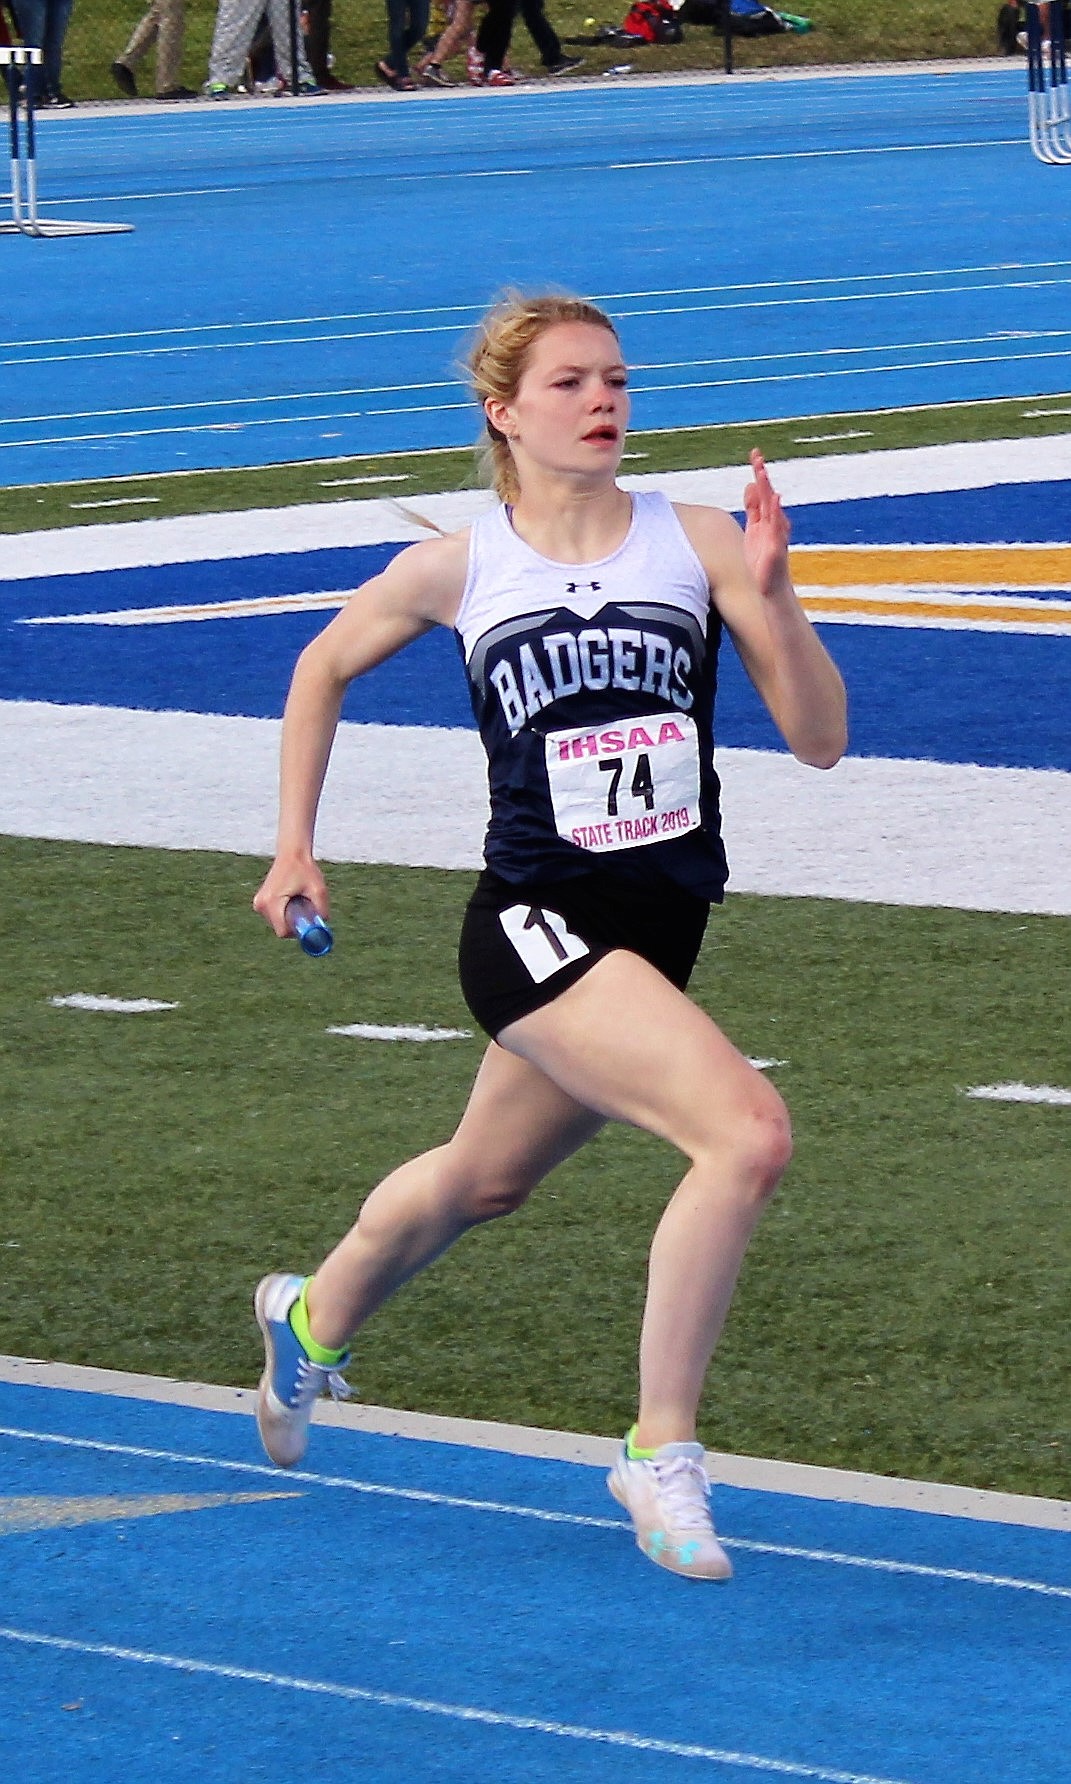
370	1031
854	433
118	1006
120	502
385	477
1021	1093
539	1514
909	833
836	477
454	1712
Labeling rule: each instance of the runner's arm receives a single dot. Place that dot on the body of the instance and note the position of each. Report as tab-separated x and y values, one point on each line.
751	587
420	588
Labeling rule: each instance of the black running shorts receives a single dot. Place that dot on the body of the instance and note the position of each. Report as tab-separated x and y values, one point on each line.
521	946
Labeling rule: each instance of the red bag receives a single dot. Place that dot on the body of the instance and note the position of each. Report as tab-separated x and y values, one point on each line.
652	21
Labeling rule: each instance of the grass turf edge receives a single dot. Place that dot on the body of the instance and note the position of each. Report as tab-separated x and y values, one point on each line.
88	502
900	1311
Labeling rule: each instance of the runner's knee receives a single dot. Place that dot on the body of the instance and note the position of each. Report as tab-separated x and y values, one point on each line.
758	1141
483	1190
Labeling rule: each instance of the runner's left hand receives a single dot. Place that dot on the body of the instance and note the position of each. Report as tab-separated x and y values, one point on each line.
767	532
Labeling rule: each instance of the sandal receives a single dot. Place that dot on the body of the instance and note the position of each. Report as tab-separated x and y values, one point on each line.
401	83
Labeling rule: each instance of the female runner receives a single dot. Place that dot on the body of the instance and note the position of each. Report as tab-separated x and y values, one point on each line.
590	619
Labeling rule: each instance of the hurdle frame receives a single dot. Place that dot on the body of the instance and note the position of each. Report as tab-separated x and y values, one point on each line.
1049	99
20	63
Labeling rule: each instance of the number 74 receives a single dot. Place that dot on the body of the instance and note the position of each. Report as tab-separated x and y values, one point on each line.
642	781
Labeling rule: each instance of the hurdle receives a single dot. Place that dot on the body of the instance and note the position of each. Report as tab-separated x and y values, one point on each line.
1050	110
20	65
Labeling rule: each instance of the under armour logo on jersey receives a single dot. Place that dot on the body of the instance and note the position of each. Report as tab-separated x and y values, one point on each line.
571	587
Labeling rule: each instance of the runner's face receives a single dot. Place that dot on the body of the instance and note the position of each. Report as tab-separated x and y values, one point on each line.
571	408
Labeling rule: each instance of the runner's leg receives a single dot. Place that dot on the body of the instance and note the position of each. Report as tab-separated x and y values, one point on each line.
516	1128
626	1043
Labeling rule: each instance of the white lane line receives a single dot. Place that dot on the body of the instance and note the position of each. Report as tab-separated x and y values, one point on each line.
778	302
234	427
919	148
916	1569
753	1473
293	396
372	334
923	272
790	377
455	1712
693	363
990	337
117	1006
846	297
373	1489
553	170
538	1514
148	197
1021	1093
818	375
370	1031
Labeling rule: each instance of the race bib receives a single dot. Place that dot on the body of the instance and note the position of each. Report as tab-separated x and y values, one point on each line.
542	939
616	786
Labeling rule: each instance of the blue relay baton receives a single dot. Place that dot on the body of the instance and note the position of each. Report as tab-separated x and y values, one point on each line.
305	922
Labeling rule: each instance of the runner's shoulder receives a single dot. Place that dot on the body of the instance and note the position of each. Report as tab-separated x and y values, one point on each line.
701	520
431	575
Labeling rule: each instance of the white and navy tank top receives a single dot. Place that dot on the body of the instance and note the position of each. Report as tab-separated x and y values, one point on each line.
593	688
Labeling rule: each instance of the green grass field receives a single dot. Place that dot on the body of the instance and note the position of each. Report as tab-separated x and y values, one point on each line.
903	1308
49	505
845	32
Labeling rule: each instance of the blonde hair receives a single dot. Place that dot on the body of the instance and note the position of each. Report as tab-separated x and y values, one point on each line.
498	359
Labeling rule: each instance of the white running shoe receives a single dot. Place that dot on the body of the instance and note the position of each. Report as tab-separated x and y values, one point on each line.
291	1383
668	1499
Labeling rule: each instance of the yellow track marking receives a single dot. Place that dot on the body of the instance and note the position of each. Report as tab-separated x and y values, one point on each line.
48	1511
963	566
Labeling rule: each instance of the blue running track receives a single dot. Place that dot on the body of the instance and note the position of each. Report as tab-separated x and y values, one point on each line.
400	1611
301	275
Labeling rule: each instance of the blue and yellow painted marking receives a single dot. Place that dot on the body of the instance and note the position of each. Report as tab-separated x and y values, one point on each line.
988	588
